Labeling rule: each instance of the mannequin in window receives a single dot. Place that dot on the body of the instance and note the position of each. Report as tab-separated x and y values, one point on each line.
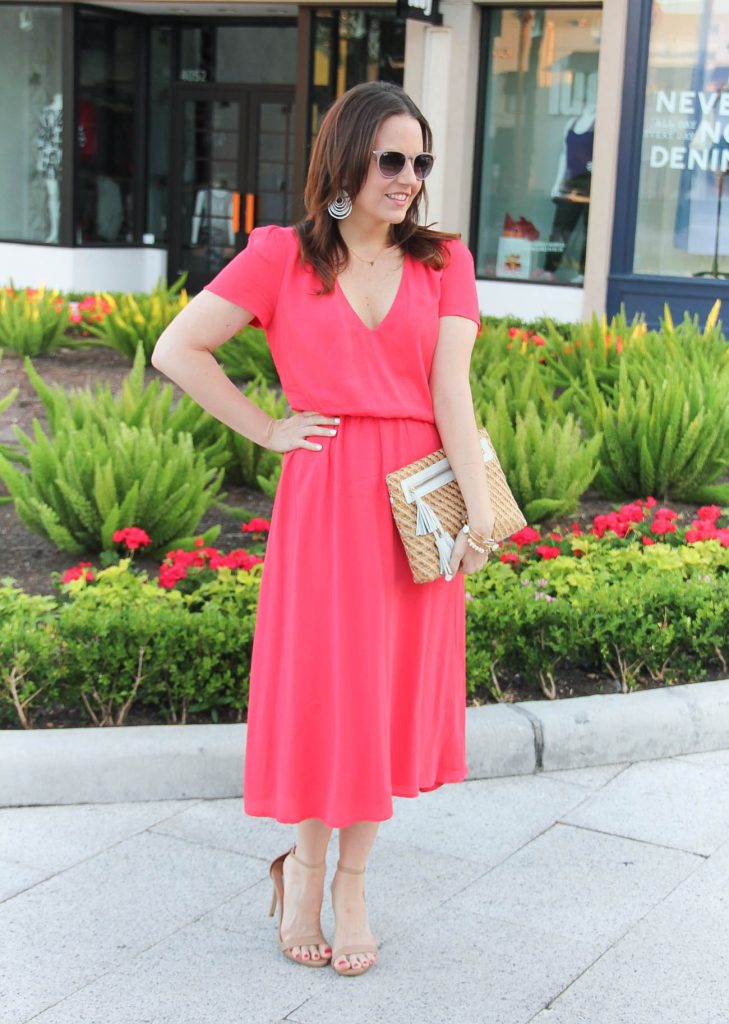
571	189
49	140
214	213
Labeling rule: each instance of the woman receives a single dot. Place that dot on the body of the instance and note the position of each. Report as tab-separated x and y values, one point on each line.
357	688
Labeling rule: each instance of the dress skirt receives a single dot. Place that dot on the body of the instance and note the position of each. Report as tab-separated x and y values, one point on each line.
357	688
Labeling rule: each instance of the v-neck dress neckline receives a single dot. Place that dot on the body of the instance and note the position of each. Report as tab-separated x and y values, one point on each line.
393	305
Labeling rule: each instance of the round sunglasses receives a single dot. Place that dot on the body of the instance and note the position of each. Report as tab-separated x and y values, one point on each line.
390	163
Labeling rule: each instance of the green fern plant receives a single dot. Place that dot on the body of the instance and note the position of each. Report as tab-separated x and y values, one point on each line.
139	318
136	405
83	484
666	436
547	463
600	344
33	321
246	355
252	464
518	381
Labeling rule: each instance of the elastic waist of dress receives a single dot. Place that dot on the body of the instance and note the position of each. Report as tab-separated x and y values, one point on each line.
374	416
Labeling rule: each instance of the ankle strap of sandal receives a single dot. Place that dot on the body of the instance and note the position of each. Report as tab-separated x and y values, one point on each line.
305	863
350	871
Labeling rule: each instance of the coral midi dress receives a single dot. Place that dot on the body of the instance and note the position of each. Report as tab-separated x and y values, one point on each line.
357	684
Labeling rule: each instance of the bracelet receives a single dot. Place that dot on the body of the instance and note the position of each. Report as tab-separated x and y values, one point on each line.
471	533
475	546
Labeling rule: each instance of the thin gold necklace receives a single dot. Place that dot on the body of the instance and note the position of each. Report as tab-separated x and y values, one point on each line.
363	259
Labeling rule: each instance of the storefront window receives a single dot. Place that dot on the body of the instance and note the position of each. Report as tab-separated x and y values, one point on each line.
106	88
536	168
31	122
683	196
248	54
352	46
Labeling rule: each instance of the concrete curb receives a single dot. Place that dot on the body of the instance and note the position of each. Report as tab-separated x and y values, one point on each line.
168	762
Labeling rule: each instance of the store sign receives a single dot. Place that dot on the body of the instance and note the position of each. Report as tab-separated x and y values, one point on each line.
420	10
698	122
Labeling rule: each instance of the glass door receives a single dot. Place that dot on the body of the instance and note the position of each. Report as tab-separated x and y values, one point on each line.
232	171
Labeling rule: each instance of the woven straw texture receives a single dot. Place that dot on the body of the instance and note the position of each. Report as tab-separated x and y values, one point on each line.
448	504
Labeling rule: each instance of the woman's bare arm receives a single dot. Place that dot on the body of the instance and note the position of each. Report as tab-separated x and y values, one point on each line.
184	353
455	419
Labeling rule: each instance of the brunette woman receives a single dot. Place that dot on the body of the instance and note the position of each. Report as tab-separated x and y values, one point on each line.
357	685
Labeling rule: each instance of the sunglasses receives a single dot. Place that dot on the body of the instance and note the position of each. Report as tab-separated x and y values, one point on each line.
390	163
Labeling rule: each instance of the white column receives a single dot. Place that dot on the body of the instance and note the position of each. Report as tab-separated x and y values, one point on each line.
605	156
441	75
435	96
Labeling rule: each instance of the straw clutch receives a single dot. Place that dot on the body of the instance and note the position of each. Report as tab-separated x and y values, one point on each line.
428	528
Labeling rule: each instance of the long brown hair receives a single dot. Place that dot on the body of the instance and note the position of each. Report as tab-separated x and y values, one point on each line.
341	159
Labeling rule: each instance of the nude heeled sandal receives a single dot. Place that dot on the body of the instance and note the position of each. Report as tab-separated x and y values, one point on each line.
362	947
310	938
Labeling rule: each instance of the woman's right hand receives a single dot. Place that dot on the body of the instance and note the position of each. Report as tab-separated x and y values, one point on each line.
291	432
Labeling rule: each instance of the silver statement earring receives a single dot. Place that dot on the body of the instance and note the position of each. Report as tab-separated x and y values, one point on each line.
341	207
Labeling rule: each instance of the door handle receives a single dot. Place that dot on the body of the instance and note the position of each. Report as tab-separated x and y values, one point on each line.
250	214
235	213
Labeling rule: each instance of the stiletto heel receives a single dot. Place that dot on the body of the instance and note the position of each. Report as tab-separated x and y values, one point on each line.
311	938
362	947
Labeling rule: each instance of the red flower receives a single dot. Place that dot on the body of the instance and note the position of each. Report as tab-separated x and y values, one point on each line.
510	556
665	513
710	513
131	537
547	551
537	340
527	535
661	526
256	526
647	540
78	571
169	575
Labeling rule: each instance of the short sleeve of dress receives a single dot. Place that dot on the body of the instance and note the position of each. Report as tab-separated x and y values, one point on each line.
252	279
458	293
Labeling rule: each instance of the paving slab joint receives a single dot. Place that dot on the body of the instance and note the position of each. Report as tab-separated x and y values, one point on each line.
537	732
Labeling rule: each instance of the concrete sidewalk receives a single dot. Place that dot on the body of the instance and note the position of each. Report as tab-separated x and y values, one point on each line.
584	896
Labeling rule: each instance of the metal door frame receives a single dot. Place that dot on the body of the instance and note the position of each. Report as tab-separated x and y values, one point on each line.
248	98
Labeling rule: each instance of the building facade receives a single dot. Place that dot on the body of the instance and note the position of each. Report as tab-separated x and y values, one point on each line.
582	148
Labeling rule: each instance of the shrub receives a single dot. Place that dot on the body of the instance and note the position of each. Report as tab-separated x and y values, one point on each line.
125	642
518	382
247	355
138	318
251	463
135	405
28	649
547	464
83	484
33	321
668	435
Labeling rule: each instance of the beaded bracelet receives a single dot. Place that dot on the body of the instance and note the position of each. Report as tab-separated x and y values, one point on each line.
472	536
